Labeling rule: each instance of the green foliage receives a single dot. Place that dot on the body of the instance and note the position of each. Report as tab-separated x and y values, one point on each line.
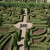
1	20
27	4
16	35
21	11
38	5
27	36
15	42
26	43
28	11
26	48
39	46
12	4
3	42
48	21
15	48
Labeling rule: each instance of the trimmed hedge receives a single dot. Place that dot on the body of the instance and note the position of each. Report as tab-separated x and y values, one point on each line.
12	4
38	47
48	21
38	5
15	48
42	33
26	44
5	37
10	27
1	36
28	4
15	45
4	42
11	41
18	33
1	20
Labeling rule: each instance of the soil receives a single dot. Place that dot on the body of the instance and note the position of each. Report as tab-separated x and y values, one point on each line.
6	46
4	29
39	30
34	41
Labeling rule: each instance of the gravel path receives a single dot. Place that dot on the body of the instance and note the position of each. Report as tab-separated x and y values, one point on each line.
29	25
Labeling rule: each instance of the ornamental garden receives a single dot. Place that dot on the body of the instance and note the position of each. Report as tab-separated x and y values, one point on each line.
35	38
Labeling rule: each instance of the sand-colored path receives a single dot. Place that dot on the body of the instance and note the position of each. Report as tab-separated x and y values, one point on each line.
29	25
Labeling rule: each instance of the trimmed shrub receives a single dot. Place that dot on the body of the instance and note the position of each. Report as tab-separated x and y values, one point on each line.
14	42
27	4
4	42
48	21
28	11
26	44
21	11
40	46
16	35
4	37
1	20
